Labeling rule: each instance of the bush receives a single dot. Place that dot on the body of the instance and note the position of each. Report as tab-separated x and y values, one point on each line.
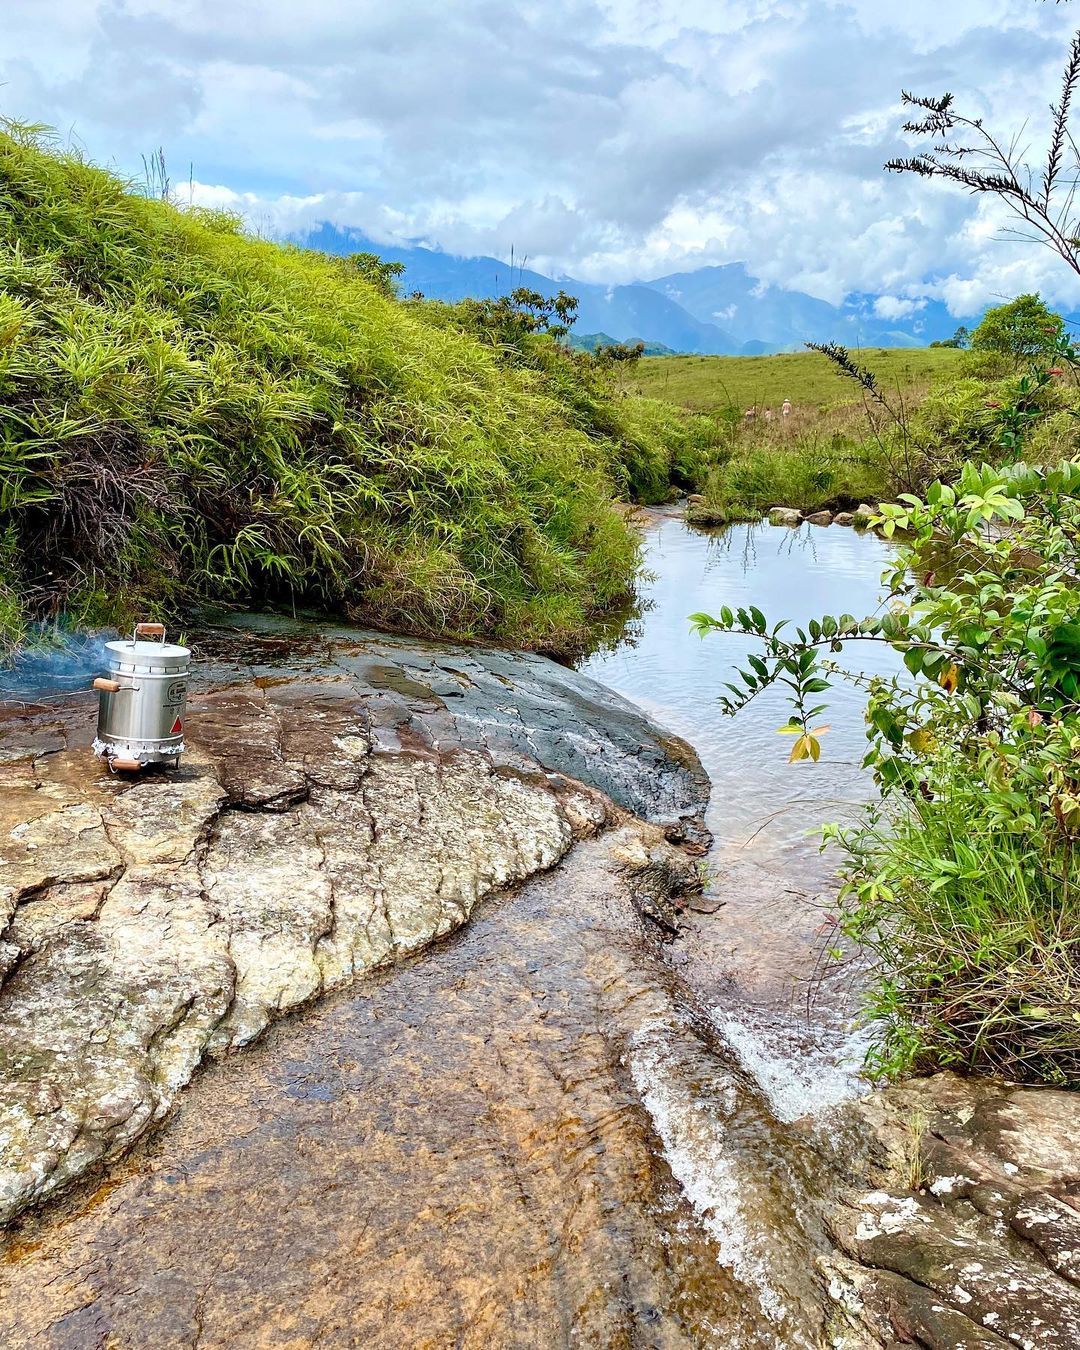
810	473
964	880
1022	330
973	416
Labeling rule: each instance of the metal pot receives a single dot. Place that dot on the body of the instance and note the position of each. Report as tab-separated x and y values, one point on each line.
143	700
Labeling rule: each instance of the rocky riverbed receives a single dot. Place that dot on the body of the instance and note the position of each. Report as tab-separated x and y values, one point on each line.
532	1133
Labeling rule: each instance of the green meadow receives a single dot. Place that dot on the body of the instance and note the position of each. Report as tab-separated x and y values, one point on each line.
709	383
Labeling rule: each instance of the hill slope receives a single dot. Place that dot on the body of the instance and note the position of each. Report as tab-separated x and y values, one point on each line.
190	413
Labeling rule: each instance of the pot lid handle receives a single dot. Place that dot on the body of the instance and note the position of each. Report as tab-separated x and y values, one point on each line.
149	630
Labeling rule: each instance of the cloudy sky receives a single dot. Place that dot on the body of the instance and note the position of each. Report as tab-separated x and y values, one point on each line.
607	139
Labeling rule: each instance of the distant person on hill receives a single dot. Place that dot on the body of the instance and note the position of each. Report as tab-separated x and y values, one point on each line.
768	414
749	414
785	411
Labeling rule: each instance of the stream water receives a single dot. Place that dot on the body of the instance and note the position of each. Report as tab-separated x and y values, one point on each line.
787	1012
761	806
547	1131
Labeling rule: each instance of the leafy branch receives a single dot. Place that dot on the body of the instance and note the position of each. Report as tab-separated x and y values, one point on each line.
969	156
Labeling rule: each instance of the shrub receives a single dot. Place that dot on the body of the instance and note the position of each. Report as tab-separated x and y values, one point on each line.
963	880
810	473
1022	330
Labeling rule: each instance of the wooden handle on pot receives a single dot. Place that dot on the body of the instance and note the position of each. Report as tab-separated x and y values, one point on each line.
130	765
150	630
106	686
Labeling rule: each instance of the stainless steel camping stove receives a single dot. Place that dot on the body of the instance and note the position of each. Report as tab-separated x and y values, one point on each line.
143	700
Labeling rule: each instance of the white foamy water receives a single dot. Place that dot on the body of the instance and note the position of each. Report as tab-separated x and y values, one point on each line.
719	1179
801	1069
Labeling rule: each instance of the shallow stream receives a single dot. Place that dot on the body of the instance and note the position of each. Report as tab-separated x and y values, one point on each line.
784	1007
761	806
547	1131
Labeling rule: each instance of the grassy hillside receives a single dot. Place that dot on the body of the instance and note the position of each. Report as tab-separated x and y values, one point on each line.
707	383
188	413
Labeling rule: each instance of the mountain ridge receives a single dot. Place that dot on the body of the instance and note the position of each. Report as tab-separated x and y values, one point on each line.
718	310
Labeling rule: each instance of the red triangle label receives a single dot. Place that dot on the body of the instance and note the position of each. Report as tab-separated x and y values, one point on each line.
177	726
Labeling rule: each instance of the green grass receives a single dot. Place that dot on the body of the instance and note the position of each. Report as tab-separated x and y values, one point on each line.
188	413
976	936
710	383
811	473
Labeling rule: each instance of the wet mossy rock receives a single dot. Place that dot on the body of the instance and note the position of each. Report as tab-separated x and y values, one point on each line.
701	514
785	515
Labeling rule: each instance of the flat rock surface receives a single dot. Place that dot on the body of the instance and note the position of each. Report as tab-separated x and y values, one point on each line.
344	801
964	1219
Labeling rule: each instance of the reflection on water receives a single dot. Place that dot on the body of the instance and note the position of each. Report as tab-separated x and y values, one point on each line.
760	803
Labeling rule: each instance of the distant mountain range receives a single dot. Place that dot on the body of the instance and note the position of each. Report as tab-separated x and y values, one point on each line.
714	310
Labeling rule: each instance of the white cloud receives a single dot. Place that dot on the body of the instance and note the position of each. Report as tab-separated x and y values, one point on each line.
609	139
893	307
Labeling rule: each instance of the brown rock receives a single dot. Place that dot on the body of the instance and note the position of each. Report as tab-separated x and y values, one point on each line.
704	516
992	1227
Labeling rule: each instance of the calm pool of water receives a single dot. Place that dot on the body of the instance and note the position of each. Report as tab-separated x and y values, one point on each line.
761	805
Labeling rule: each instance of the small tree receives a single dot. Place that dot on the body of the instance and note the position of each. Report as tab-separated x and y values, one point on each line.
511	318
621	352
963	152
1024	330
382	275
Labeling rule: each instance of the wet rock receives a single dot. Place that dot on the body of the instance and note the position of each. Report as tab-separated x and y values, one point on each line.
705	904
971	1221
863	515
820	518
323	824
784	515
846	518
701	514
